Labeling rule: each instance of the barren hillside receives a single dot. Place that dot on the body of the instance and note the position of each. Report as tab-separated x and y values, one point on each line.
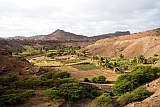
16	65
145	43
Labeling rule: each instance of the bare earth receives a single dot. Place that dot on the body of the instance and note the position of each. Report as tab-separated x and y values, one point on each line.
80	75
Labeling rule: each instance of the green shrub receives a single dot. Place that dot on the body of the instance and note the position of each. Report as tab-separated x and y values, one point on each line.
26	83
94	80
38	82
153	60
124	86
72	91
27	94
2	89
53	93
50	54
62	74
101	79
46	76
86	80
94	93
9	99
68	80
6	80
103	100
139	75
49	83
125	99
138	94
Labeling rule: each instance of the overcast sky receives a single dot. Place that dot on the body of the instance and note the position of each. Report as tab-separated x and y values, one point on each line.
83	17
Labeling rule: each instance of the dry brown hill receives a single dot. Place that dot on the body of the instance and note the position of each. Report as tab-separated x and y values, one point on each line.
16	65
143	43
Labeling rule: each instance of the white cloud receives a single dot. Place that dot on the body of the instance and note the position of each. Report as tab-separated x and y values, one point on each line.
86	17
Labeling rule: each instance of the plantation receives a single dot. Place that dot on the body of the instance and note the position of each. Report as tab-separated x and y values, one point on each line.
85	66
55	51
120	65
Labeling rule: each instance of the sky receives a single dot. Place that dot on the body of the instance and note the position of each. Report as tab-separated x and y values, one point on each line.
82	17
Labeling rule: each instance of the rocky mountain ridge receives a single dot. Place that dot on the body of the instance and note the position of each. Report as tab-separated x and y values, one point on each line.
63	35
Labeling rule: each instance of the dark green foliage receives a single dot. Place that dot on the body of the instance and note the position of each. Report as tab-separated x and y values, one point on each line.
123	86
62	74
86	80
99	79
26	83
94	80
139	75
49	83
6	80
13	99
68	80
27	94
103	100
53	93
2	89
9	99
46	76
144	74
138	94
72	91
94	93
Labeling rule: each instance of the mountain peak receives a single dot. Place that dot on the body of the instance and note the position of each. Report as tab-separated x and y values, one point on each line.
59	31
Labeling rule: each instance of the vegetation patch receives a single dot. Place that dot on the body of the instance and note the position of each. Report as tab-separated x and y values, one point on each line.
84	67
99	79
139	75
103	100
138	94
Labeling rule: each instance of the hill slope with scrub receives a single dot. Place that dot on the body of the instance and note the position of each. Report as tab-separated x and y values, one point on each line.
143	43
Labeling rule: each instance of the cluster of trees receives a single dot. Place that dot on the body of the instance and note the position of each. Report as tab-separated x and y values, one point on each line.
60	86
62	50
9	95
139	75
66	87
28	51
126	84
121	64
56	51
